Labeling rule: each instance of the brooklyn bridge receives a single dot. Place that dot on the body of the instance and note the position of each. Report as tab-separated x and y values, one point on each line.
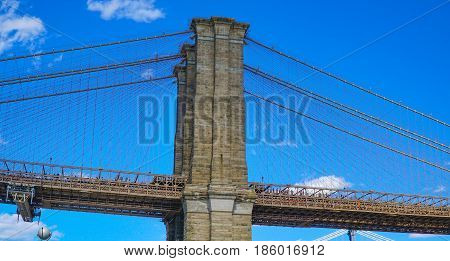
246	125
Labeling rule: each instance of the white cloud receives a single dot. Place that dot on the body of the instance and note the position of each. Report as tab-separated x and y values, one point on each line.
55	60
147	74
440	188
136	10
58	58
420	235
10	229
14	28
331	182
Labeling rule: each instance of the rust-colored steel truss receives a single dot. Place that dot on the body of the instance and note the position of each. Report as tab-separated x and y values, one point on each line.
145	194
299	206
93	189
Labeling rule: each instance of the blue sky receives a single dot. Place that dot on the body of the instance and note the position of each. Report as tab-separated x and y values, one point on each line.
398	49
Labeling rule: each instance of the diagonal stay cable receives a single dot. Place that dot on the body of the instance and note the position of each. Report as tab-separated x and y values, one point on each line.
332	235
350	133
59	74
359	87
58	211
94	46
85	90
349	110
373	236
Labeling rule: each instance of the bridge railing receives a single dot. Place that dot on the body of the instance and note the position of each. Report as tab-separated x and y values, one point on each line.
140	183
87	178
345	199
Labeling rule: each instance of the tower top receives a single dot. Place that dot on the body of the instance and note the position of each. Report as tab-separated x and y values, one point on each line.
199	25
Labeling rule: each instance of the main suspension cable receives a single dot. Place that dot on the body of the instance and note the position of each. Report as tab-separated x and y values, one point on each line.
349	133
94	46
85	90
349	110
359	87
59	74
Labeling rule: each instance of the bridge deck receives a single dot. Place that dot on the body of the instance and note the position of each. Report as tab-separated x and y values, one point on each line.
145	194
297	206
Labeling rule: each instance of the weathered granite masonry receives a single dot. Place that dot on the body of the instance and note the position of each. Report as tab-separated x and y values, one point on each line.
210	136
180	72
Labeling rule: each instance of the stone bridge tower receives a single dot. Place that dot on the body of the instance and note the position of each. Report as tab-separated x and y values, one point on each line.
210	136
